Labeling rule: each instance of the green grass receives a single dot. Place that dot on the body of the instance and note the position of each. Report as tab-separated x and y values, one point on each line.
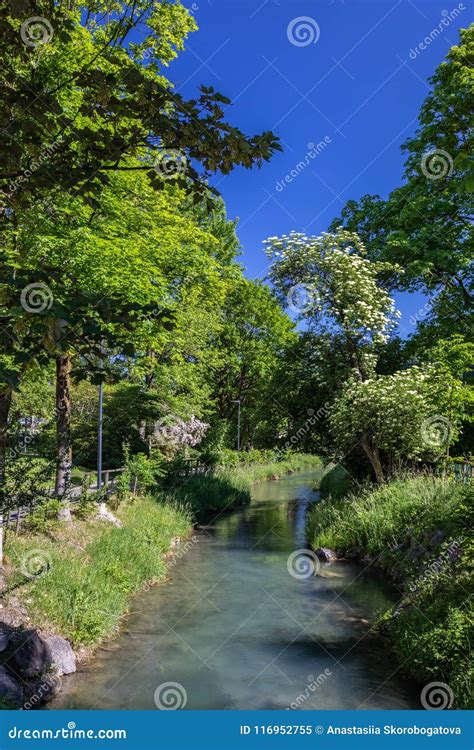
431	629
335	482
92	569
229	487
95	568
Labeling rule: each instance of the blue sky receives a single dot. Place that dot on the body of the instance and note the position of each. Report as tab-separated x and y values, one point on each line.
358	84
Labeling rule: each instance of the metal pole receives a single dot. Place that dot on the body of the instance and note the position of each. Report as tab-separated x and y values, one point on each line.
237	401
238	425
99	434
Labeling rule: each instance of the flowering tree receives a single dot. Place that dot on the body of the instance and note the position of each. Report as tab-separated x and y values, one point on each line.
406	415
174	431
329	280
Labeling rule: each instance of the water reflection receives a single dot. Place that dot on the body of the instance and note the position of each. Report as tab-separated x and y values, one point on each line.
238	632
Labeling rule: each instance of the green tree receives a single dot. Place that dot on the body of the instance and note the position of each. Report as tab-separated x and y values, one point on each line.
344	298
80	96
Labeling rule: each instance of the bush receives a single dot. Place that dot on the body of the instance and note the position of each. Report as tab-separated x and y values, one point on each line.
420	530
336	482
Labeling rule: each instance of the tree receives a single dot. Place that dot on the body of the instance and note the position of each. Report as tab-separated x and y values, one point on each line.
344	298
252	337
81	96
413	414
114	278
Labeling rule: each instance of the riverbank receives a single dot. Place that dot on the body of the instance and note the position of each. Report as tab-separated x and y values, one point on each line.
417	530
228	487
77	581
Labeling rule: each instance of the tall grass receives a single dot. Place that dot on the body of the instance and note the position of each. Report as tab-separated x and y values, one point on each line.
94	569
410	527
229	487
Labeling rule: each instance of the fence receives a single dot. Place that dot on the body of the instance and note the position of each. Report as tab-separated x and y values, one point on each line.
463	471
108	480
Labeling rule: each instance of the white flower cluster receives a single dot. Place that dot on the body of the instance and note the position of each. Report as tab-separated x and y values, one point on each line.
346	281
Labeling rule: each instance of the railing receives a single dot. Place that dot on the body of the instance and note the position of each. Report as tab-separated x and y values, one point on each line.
105	478
192	467
463	471
15	516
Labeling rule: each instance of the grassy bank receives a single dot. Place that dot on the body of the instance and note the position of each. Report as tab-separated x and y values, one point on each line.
78	580
335	482
92	568
229	486
416	529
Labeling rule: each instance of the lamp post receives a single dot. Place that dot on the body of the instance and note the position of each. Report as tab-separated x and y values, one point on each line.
237	401
99	429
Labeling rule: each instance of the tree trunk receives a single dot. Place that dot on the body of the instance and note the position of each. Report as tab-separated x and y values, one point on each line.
372	453
5	403
63	434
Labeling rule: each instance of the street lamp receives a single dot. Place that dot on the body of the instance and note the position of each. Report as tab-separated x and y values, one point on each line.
237	401
99	429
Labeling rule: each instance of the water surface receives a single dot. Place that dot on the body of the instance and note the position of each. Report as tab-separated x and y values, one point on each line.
237	631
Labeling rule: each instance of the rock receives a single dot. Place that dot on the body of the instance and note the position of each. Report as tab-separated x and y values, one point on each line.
63	658
103	514
41	691
290	471
273	477
29	655
11	694
4	636
437	538
325	554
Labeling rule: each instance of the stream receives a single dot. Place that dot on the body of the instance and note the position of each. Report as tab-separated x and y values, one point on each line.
231	628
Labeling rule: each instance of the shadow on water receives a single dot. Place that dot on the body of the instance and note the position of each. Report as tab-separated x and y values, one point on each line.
235	630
